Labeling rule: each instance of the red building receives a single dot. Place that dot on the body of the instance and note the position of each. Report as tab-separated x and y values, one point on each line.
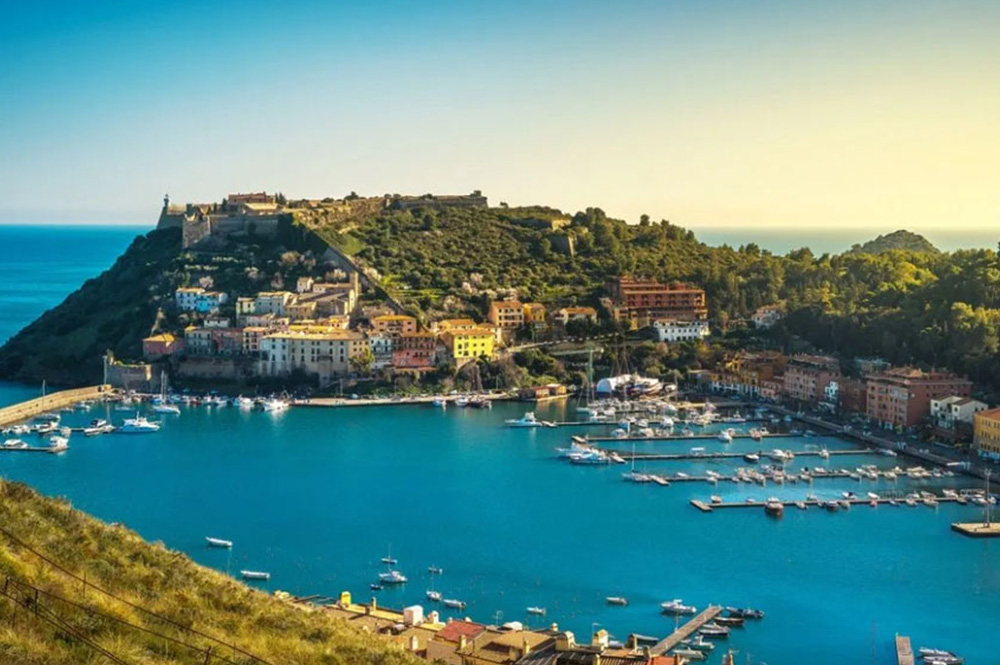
415	350
901	397
645	300
807	376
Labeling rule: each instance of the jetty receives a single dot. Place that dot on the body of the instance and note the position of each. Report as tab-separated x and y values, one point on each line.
904	650
665	457
856	501
687	630
977	529
713	436
400	401
10	415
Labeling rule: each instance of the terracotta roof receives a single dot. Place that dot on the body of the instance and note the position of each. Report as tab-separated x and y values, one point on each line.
456	629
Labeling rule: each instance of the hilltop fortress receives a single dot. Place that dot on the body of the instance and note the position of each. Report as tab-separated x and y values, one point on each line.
260	214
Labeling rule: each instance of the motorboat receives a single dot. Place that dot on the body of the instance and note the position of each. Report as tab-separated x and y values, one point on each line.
375	587
434	570
454	604
752	458
274	405
392	577
480	403
219	542
590	457
714	630
14	444
537	611
698	643
527	420
730	622
243	402
636	477
57	444
255	575
689	654
726	436
774	507
618	601
98	426
439	403
166	407
677	606
462	401
434	596
138	425
716	498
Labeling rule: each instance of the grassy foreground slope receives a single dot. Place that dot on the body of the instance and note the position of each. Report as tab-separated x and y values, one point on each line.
70	623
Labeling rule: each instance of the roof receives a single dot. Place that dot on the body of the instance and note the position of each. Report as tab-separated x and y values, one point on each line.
395	317
579	310
991	414
507	304
456	629
162	337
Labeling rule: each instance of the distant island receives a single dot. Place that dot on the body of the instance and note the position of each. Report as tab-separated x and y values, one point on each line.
902	240
404	292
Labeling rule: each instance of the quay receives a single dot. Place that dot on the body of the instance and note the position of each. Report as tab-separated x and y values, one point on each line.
977	529
687	630
10	415
714	436
857	501
33	449
904	650
662	457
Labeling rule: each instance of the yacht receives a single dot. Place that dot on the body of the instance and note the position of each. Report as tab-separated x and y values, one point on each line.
275	405
14	444
392	577
166	407
726	436
616	600
540	611
138	425
527	420
219	542
434	596
454	604
753	458
243	402
676	606
98	426
434	570
255	575
774	507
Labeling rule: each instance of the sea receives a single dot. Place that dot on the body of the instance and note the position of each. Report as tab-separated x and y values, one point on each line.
317	496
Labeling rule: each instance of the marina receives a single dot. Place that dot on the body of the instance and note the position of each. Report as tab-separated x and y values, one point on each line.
671	641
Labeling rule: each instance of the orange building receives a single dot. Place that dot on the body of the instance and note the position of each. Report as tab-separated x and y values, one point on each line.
415	350
901	397
394	325
641	301
807	376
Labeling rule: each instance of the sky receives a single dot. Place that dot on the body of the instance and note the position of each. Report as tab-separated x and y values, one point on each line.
762	114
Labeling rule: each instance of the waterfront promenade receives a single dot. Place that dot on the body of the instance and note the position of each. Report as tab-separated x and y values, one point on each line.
393	401
16	413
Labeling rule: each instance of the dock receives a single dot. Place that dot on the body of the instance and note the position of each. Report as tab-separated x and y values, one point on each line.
977	529
10	415
34	449
402	401
904	650
687	630
666	457
713	436
857	501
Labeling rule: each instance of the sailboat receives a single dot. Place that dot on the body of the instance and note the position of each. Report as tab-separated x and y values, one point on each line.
387	559
632	475
161	405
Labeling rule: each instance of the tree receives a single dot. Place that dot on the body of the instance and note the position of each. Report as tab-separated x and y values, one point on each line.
362	361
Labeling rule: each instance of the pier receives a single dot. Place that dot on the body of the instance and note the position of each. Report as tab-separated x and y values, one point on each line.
856	501
904	650
687	630
664	457
419	399
16	413
714	436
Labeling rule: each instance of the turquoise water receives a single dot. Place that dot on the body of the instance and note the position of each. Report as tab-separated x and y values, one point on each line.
318	496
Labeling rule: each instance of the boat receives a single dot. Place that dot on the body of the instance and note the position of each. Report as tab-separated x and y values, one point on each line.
375	587
752	458
138	425
744	613
725	436
774	507
243	402
831	506
440	403
824	453
274	405
698	643
434	570
219	542
677	606
801	505
618	601
731	622
98	426
714	630
166	407
716	498
926	652
388	560
255	575
527	420
538	611
14	444
454	604
943	660
689	654
392	577
434	596
480	403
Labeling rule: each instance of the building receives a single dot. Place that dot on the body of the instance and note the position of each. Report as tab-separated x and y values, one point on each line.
567	314
947	412
744	374
642	301
535	315
507	314
464	343
204	341
675	330
766	316
324	354
986	433
772	389
251	339
455	636
901	397
394	325
807	376
162	345
272	302
415	351
852	395
381	346
197	299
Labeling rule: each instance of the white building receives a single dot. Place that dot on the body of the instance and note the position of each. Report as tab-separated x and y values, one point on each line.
947	411
381	346
272	302
325	354
768	315
672	330
197	299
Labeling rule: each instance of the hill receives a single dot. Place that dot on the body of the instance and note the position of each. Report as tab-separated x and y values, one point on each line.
902	240
143	603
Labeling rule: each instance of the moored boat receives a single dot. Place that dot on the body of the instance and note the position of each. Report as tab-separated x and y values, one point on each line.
677	606
218	542
619	601
527	420
255	575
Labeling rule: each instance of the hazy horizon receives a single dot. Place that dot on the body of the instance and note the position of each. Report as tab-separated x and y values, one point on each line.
713	115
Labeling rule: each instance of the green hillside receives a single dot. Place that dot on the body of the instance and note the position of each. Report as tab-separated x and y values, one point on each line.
142	603
901	240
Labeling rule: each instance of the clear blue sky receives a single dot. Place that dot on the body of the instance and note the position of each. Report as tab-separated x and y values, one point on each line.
780	114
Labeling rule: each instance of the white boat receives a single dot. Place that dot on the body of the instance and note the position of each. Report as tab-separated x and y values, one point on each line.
434	596
441	403
219	542
676	606
58	443
753	458
434	570
689	654
165	407
619	601
463	401
392	577
274	405
725	436
243	402
255	575
536	610
138	425
14	444
454	604
527	420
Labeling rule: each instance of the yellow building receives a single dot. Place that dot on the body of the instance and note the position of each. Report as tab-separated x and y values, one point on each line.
986	431
470	342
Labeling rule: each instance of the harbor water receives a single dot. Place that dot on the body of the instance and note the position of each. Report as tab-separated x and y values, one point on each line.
317	496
